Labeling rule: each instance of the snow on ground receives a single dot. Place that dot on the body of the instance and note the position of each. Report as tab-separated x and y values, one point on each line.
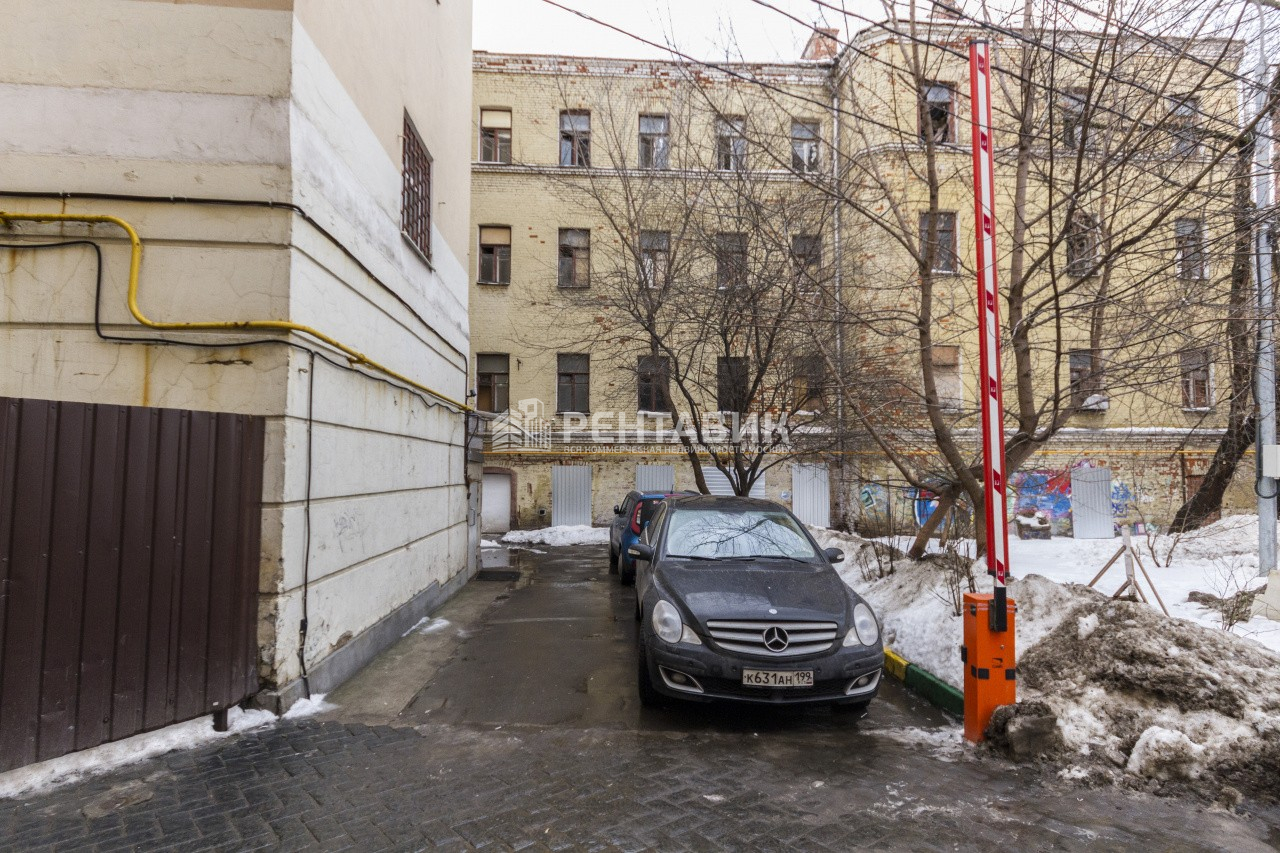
109	756
1135	695
564	535
489	543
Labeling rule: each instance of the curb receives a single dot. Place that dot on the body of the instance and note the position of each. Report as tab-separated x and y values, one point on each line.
924	683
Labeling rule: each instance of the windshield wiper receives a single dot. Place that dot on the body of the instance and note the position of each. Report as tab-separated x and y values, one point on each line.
693	557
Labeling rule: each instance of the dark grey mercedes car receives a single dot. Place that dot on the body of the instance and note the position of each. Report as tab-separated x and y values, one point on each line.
736	601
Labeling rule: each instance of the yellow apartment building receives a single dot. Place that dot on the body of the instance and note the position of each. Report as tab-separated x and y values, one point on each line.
862	156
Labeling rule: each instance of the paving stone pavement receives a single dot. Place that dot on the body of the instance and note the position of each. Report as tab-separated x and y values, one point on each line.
335	786
442	745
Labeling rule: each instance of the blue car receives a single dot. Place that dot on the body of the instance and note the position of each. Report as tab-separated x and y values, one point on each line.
629	520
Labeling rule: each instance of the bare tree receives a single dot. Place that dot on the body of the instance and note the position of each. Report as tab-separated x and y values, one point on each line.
711	283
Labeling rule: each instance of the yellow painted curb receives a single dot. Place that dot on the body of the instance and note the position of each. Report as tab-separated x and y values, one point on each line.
895	664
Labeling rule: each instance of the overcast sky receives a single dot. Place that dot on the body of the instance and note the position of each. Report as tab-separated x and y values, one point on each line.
702	28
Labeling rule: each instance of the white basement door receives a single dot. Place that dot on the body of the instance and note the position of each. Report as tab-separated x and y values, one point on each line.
811	494
719	484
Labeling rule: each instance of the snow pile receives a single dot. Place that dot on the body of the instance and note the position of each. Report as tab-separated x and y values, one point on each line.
1135	696
579	534
109	756
489	543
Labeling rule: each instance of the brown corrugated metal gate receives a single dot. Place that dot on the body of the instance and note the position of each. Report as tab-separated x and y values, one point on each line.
129	553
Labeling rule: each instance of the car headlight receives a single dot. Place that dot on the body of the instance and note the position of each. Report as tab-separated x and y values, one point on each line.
666	622
865	630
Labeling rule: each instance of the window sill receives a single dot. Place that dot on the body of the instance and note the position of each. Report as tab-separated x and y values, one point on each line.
493	162
494	283
1197	410
573	287
417	250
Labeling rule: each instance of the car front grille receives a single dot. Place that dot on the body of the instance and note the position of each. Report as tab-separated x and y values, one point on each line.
772	639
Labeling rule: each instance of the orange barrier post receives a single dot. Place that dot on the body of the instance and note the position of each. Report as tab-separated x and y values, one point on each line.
990	664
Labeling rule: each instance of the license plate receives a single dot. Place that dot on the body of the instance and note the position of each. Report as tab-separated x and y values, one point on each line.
769	678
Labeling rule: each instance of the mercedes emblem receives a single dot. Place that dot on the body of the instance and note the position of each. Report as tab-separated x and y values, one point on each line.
775	639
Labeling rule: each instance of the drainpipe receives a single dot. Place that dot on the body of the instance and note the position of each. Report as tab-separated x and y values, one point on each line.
1266	369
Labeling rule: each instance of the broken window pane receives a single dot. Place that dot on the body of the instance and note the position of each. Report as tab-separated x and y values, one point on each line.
936	105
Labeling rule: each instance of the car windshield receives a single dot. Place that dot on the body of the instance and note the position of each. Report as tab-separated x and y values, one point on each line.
716	534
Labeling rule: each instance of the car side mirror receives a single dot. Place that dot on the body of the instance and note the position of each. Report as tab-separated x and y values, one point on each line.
617	510
834	555
641	551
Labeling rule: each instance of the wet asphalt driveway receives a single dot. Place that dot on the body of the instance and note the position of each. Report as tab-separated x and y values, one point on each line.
511	721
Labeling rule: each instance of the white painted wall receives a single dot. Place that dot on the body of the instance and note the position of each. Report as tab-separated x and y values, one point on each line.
217	99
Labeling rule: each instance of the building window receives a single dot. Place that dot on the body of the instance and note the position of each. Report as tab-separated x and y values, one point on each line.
941	249
575	257
1184	113
495	254
731	143
731	261
1196	390
415	191
804	146
573	380
495	136
936	111
1189	248
654	141
731	384
809	381
575	138
945	359
1082	244
1072	130
806	258
655	254
653	381
493	382
1084	378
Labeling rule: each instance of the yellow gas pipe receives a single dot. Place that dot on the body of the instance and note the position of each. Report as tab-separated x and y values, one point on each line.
135	264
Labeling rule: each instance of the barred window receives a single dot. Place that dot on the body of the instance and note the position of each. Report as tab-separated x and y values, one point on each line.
415	191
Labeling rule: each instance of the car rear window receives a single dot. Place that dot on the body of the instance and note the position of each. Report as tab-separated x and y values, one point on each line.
715	533
647	509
